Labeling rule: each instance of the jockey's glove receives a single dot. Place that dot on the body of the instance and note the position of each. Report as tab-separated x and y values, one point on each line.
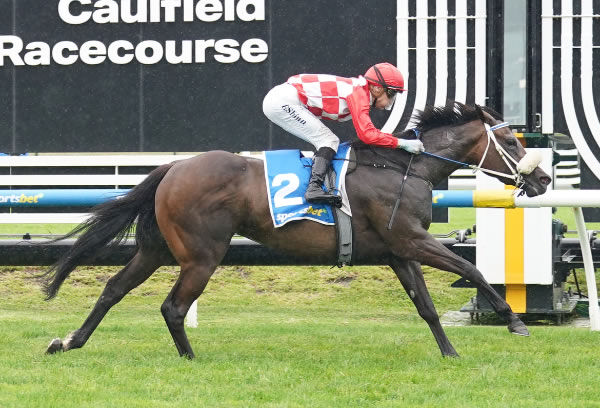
411	146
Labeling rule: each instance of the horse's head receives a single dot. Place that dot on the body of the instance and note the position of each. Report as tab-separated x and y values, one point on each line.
499	153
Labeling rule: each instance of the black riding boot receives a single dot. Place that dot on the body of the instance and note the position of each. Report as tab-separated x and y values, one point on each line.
314	192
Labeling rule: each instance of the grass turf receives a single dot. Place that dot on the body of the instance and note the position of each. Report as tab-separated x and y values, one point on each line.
281	337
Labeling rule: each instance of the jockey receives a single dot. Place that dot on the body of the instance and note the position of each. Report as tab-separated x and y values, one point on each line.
298	105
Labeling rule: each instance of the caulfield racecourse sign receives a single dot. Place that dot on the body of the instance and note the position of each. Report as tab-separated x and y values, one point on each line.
123	51
170	75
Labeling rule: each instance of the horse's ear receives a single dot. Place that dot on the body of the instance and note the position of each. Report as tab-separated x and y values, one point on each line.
480	113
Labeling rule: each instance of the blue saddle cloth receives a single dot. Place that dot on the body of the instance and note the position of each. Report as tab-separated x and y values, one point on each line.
287	174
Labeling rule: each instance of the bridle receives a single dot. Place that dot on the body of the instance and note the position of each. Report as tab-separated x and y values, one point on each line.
517	169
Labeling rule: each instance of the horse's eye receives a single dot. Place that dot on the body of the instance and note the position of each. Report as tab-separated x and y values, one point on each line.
512	142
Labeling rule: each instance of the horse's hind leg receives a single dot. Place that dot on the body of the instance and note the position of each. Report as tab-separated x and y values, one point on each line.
189	287
411	276
132	275
199	256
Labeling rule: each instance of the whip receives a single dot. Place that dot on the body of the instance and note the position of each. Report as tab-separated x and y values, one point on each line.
412	156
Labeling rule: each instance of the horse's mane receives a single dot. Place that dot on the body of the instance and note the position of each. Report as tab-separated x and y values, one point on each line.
452	114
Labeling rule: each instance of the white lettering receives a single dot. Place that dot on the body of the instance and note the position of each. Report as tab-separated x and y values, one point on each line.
12	52
107	12
171	52
155	11
229	10
113	52
200	49
64	11
254	50
209	10
58	53
257	14
92	52
188	10
170	6
227	47
140	16
155	55
39	53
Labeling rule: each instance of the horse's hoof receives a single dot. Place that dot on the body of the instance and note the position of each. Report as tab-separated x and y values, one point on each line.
519	329
54	346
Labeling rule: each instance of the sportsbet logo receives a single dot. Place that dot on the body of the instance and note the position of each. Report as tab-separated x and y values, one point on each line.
318	212
21	199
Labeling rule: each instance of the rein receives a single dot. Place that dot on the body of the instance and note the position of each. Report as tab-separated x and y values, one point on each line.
399	166
515	174
517	168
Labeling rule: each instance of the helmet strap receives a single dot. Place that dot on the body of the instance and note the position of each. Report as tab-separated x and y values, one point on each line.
379	76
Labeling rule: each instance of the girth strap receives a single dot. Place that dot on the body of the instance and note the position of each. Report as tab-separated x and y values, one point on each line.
343	227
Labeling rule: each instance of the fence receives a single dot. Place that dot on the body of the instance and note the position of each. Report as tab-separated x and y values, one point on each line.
123	171
74	171
118	172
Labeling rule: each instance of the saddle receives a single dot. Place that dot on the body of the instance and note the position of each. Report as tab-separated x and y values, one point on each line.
287	173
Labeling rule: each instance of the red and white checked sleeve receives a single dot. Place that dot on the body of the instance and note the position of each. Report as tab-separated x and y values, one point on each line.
359	106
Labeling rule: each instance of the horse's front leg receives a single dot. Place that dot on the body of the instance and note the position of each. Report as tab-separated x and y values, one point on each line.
428	251
411	276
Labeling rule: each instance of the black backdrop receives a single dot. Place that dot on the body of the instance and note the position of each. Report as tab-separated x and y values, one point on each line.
185	107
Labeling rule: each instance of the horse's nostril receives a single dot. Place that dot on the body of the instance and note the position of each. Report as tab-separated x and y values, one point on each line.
545	180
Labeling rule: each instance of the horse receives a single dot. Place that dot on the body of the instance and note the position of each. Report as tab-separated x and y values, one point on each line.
190	209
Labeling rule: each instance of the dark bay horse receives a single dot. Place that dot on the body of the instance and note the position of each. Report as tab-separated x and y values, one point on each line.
191	209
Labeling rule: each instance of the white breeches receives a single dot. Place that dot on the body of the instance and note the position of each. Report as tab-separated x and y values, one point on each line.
283	107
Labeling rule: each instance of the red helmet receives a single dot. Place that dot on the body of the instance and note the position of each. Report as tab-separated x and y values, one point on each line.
386	75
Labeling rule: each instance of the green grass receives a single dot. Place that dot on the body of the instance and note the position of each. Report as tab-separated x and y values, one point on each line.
22	229
566	216
281	337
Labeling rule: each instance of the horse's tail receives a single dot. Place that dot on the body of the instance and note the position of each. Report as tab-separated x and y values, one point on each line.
110	223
